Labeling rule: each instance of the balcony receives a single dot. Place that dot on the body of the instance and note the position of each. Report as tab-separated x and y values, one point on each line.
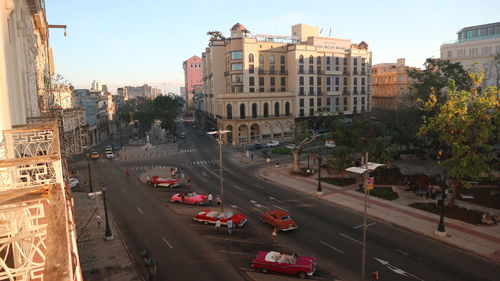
311	71
301	71
311	93
363	92
272	72
345	72
283	72
251	71
355	72
363	72
355	92
262	71
319	72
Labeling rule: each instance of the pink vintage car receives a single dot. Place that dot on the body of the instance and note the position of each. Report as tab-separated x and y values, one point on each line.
294	264
190	198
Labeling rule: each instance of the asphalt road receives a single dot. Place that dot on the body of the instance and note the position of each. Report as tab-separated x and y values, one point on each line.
186	250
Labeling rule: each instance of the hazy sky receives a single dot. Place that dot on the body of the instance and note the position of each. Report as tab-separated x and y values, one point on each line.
136	42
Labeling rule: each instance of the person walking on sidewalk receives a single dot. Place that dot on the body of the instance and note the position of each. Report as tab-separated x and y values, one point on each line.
375	275
98	220
230	226
218	200
251	156
275	235
127	173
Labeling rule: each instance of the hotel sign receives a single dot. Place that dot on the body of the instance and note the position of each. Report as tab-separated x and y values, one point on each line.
331	44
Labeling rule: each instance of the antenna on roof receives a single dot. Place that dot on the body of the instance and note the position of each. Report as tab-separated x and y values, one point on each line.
321	30
330	33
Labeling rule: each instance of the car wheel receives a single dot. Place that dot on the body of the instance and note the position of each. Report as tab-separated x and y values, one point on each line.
264	270
302	275
155	185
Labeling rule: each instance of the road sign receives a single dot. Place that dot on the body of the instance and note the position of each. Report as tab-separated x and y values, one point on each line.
369	183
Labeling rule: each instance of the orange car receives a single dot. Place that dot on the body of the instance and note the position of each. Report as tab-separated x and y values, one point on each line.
279	219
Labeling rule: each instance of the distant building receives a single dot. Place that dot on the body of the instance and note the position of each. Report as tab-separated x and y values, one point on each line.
146	91
390	84
96	85
88	101
192	78
476	48
63	97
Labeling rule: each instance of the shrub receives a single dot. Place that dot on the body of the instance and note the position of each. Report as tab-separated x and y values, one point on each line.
281	150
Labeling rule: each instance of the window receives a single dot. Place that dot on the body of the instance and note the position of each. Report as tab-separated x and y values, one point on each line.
301	102
261	59
301	91
328	63
251	81
337	84
311	111
337	64
250	68
273	81
261	89
355	81
283	81
345	100
318	60
236	66
311	90
311	102
301	80
237	78
266	110
363	80
236	55
318	81
271	60
301	112
254	110
242	111
311	60
328	84
319	102
261	81
345	61
362	100
311	81
363	62
328	101
250	58
301	69
301	59
276	110
287	109
355	61
282	60
229	109
355	101
252	90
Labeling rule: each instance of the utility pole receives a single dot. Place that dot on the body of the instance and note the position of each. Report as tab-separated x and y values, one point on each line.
363	255
90	176
221	180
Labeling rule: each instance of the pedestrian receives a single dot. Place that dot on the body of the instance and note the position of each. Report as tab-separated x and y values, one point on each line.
127	173
217	225
230	226
218	200
98	220
209	199
251	156
375	275
275	235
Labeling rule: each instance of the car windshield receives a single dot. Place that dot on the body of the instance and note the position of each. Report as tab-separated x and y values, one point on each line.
285	218
212	214
226	214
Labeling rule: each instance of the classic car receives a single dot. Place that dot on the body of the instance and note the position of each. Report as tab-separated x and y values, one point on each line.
211	216
190	198
279	219
109	148
110	155
165	182
273	143
294	264
94	155
73	183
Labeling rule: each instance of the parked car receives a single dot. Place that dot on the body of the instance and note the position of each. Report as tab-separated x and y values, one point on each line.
73	183
302	266
330	144
279	219
183	135
110	155
256	146
165	182
211	216
109	148
94	155
116	146
273	143
190	198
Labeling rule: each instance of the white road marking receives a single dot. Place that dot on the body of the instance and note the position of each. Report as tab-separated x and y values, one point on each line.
123	190
395	269
140	211
203	179
253	201
272	198
258	210
350	238
237	187
234	206
279	208
259	186
166	242
330	246
366	225
401	251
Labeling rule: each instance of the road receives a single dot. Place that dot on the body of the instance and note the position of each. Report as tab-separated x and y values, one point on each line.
186	250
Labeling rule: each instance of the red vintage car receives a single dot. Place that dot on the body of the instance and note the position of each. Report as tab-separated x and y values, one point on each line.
166	182
211	216
294	264
190	198
279	219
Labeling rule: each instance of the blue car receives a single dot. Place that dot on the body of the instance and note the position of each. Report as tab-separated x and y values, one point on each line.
256	146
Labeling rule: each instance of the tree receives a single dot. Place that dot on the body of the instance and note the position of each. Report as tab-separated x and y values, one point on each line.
466	124
166	109
339	159
303	137
215	35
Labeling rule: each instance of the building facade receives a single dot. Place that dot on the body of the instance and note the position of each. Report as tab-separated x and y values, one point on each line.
391	84
256	86
192	77
477	48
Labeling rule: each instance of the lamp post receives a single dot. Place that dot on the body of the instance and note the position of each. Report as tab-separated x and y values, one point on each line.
319	190
90	177
441	231
220	132
107	233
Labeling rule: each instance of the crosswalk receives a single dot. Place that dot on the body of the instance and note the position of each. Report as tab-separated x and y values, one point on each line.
147	167
201	163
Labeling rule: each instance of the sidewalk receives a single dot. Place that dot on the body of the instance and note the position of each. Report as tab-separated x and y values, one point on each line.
479	239
100	260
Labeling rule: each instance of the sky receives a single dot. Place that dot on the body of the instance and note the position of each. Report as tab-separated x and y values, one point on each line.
131	43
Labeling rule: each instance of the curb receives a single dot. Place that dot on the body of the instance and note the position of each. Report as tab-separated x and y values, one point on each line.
384	220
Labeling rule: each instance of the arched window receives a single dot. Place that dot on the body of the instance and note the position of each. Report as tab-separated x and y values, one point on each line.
301	59
266	110
355	61
261	59
282	59
229	111
287	108
254	110
311	60
277	110
242	111
271	60
318	60
250	58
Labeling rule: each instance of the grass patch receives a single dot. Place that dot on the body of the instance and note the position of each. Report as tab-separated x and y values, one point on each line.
462	214
281	150
339	181
382	192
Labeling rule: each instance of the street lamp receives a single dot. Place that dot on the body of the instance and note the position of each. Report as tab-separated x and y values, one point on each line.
442	172
90	176
364	172
220	132
319	190
107	233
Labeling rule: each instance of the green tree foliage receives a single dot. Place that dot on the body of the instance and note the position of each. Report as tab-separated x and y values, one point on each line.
466	124
215	35
339	159
165	109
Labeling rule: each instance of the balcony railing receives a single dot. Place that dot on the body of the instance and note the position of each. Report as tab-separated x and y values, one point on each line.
311	71
320	72
262	71
311	93
251	71
272	72
283	72
345	72
301	71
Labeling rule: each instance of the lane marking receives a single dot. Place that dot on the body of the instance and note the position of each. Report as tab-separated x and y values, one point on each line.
258	210
166	242
350	238
237	187
123	190
279	208
259	186
402	252
140	211
330	246
366	225
272	198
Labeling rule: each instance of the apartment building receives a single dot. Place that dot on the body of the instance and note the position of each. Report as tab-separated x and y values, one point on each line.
391	84
257	86
476	48
192	78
